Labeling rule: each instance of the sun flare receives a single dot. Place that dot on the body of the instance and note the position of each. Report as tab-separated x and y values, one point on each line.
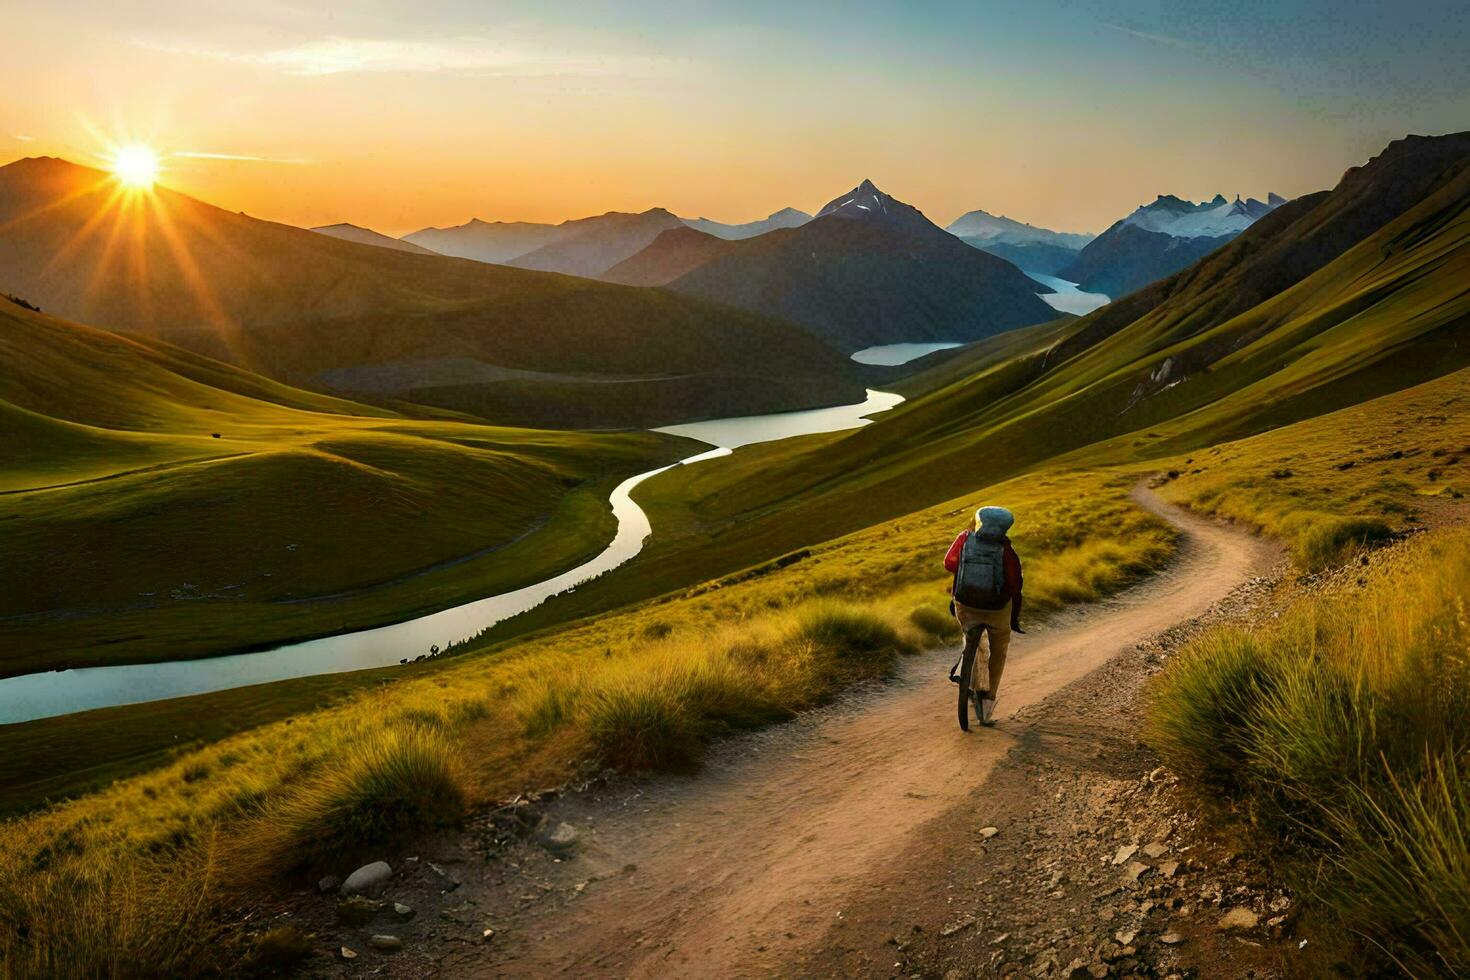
135	166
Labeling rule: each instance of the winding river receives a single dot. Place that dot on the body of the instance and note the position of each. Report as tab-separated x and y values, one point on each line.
51	693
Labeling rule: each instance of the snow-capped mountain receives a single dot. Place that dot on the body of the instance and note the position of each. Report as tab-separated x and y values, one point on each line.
1161	238
1211	219
867	203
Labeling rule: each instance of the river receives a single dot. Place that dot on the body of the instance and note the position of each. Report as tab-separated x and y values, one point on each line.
51	693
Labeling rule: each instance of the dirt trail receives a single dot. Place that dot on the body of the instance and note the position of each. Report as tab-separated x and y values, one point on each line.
733	872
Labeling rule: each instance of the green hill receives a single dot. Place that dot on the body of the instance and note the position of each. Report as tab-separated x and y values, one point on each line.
317	311
159	505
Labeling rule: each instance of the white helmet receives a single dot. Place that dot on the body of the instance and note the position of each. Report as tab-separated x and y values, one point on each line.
994	520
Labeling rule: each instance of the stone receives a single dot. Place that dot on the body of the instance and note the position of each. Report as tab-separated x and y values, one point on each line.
953	928
562	838
487	935
1237	919
988	832
404	912
348	953
1125	852
357	910
1168	868
1076	969
369	880
1124	936
1135	870
1171	939
1098	970
386	944
329	884
1156	849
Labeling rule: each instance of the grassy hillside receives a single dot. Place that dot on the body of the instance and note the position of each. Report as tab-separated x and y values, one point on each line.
158	505
294	305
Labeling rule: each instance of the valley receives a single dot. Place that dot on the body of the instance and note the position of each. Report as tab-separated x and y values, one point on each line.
323	546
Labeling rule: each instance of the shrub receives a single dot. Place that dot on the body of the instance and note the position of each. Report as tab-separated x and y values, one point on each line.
851	632
935	622
389	783
1326	541
1199	710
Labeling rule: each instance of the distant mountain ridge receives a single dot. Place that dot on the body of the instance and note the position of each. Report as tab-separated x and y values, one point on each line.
486	241
998	229
784	218
590	246
366	236
1161	238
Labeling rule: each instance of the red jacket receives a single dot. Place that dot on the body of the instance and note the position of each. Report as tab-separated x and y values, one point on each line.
1012	566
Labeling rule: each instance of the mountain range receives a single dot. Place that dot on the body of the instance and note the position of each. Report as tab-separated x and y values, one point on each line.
868	269
1159	239
513	345
581	246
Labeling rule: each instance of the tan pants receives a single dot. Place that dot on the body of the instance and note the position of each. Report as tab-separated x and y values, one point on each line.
995	626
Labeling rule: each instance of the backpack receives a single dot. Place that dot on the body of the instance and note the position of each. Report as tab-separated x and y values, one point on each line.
980	577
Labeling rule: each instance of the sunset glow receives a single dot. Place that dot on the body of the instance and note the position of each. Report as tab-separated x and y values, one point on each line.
135	166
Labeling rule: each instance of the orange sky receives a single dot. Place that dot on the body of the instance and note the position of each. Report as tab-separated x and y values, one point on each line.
398	115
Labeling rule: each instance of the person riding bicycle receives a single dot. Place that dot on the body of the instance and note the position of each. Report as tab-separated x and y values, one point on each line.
986	603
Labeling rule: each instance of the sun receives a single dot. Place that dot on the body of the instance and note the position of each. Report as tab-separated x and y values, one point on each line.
135	166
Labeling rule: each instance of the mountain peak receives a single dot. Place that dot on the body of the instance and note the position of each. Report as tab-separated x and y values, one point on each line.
867	203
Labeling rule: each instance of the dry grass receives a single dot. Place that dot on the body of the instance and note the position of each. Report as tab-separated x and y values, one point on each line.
1342	734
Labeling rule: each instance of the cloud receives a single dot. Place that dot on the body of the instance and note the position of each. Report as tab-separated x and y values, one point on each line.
472	56
201	155
1164	39
24	138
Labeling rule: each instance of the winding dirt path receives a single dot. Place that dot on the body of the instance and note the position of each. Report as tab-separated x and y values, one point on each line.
735	872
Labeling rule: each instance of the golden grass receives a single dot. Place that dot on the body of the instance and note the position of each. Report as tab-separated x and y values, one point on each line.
1341	733
650	686
1332	484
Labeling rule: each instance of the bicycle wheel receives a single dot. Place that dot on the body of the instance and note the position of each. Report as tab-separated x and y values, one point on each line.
967	672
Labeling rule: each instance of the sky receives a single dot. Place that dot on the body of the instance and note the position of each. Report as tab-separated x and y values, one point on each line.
401	114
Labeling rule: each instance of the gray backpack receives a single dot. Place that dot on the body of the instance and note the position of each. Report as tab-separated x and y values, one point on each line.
980	578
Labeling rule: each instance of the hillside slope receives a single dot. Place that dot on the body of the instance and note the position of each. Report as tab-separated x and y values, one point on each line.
295	305
868	270
160	505
672	254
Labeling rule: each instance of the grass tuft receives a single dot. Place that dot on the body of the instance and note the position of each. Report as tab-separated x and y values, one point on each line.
389	783
1342	733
